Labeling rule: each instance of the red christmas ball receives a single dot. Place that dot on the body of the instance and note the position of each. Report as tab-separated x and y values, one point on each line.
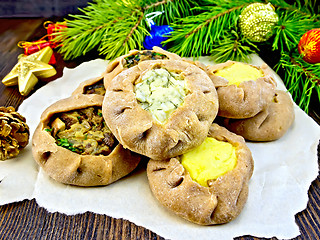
309	46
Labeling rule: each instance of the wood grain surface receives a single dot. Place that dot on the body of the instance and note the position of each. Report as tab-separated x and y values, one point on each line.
26	220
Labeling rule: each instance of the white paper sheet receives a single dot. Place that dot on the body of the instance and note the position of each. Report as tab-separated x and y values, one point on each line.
284	170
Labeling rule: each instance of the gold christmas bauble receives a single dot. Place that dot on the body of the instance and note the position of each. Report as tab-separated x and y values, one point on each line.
257	21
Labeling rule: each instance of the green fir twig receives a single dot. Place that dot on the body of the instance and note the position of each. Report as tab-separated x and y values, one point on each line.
115	27
204	27
233	47
301	78
291	26
197	35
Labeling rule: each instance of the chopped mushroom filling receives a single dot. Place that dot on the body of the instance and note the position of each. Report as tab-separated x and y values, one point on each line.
83	131
161	92
96	88
143	56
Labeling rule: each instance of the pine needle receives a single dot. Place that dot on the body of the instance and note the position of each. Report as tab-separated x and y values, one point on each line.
203	27
115	27
301	78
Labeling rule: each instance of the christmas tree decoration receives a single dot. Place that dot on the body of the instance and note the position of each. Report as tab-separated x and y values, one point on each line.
28	68
36	46
116	27
309	46
225	30
257	21
14	133
32	47
52	29
158	34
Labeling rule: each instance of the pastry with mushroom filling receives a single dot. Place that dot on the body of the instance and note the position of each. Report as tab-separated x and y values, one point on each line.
160	108
133	58
209	184
268	125
243	90
96	85
74	146
91	86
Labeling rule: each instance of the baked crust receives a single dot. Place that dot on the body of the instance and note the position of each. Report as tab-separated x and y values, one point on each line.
245	100
268	125
219	203
137	130
81	89
68	167
118	65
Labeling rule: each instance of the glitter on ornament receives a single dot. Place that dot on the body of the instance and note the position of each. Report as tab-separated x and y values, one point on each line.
28	69
157	33
257	21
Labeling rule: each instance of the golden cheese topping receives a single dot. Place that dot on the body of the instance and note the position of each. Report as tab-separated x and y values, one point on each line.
210	160
239	72
160	92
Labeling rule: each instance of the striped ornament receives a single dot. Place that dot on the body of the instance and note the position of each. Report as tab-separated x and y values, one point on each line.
309	46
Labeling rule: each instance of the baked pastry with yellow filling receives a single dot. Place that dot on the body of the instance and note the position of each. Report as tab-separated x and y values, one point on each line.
268	125
74	146
243	90
160	108
209	184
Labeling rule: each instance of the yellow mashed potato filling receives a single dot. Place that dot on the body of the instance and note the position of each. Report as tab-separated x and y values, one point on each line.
210	160
239	72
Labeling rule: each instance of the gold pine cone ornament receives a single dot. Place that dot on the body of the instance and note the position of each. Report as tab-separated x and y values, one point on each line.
14	133
257	21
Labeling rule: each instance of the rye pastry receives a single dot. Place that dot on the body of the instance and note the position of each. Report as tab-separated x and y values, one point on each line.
268	125
133	58
74	146
216	201
160	108
243	90
91	86
96	85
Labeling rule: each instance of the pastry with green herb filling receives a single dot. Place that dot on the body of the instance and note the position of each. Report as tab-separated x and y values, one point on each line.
133	58
160	108
74	146
96	85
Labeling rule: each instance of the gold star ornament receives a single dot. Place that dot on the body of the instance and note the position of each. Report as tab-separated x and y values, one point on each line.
28	69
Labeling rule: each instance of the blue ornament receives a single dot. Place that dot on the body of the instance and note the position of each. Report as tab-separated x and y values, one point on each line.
157	34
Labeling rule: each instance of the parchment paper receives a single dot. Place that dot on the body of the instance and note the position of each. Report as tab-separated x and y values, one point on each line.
284	170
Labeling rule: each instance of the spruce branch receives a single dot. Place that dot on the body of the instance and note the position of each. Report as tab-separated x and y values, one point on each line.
208	21
290	28
301	79
115	27
231	46
302	7
196	35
